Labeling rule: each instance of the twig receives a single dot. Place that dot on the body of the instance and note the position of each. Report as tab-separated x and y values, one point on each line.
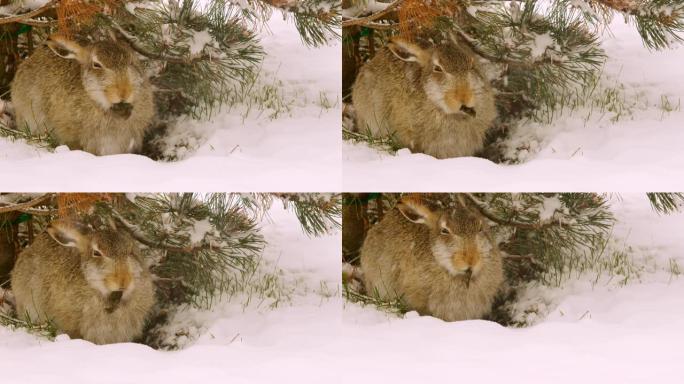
380	26
628	7
39	23
120	32
25	18
27	205
471	42
294	6
491	216
367	21
132	230
39	212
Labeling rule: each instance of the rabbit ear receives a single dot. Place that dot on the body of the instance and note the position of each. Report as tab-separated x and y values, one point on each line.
407	51
69	233
66	48
415	211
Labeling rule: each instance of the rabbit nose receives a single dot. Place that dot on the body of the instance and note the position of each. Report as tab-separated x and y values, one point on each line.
468	110
122	109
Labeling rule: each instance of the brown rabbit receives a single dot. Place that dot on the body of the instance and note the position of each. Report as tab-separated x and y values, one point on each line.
431	98
90	284
89	96
435	255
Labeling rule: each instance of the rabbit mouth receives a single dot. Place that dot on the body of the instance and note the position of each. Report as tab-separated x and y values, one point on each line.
113	301
468	277
468	111
122	109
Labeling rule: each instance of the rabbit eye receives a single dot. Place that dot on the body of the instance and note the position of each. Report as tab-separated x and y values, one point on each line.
97	253
97	65
438	69
445	231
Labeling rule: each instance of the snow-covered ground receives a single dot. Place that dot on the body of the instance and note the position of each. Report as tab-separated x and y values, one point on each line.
592	332
582	150
297	151
239	341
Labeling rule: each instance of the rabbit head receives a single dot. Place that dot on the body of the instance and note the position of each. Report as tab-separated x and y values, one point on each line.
110	259
110	72
457	236
447	74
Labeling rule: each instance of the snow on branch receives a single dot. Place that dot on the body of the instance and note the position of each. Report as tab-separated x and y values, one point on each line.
322	7
472	44
659	22
484	210
131	41
140	236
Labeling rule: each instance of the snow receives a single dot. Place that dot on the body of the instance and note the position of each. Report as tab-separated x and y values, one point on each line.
540	44
370	6
199	40
237	342
584	7
592	331
292	146
549	208
199	231
631	148
588	330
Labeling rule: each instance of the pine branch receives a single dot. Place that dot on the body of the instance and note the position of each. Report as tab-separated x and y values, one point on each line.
193	76
472	43
659	22
137	234
317	213
131	41
666	203
199	243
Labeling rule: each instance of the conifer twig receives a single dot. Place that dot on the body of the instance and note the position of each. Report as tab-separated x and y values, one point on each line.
481	207
294	6
136	234
498	59
121	33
